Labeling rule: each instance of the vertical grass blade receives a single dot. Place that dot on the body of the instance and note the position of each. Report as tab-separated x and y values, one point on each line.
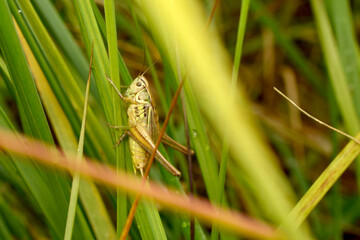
121	209
68	82
148	221
62	35
234	78
76	180
341	17
335	69
337	75
14	57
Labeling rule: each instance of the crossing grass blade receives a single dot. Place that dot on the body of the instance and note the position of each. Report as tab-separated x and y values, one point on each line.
322	185
203	209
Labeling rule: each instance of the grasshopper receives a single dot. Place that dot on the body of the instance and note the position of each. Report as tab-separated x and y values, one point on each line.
143	126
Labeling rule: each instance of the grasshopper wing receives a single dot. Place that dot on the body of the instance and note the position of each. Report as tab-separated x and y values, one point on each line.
141	135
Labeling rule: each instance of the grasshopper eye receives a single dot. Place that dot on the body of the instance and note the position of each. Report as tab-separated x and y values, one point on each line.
138	84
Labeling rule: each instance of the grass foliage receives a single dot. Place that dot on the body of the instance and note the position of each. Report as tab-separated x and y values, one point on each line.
254	153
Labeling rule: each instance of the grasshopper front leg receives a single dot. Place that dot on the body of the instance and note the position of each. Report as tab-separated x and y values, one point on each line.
117	90
122	136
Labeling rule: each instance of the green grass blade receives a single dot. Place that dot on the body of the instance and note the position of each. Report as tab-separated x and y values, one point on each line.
121	210
34	123
324	182
76	180
205	157
99	137
234	77
198	135
21	77
91	33
148	221
43	61
343	25
4	232
338	78
344	32
335	69
100	222
66	138
9	169
124	72
14	219
62	36
112	40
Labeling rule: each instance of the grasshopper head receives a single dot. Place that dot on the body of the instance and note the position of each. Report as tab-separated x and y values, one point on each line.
137	92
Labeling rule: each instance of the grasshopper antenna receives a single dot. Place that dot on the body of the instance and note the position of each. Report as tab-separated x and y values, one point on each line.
143	64
145	53
149	67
